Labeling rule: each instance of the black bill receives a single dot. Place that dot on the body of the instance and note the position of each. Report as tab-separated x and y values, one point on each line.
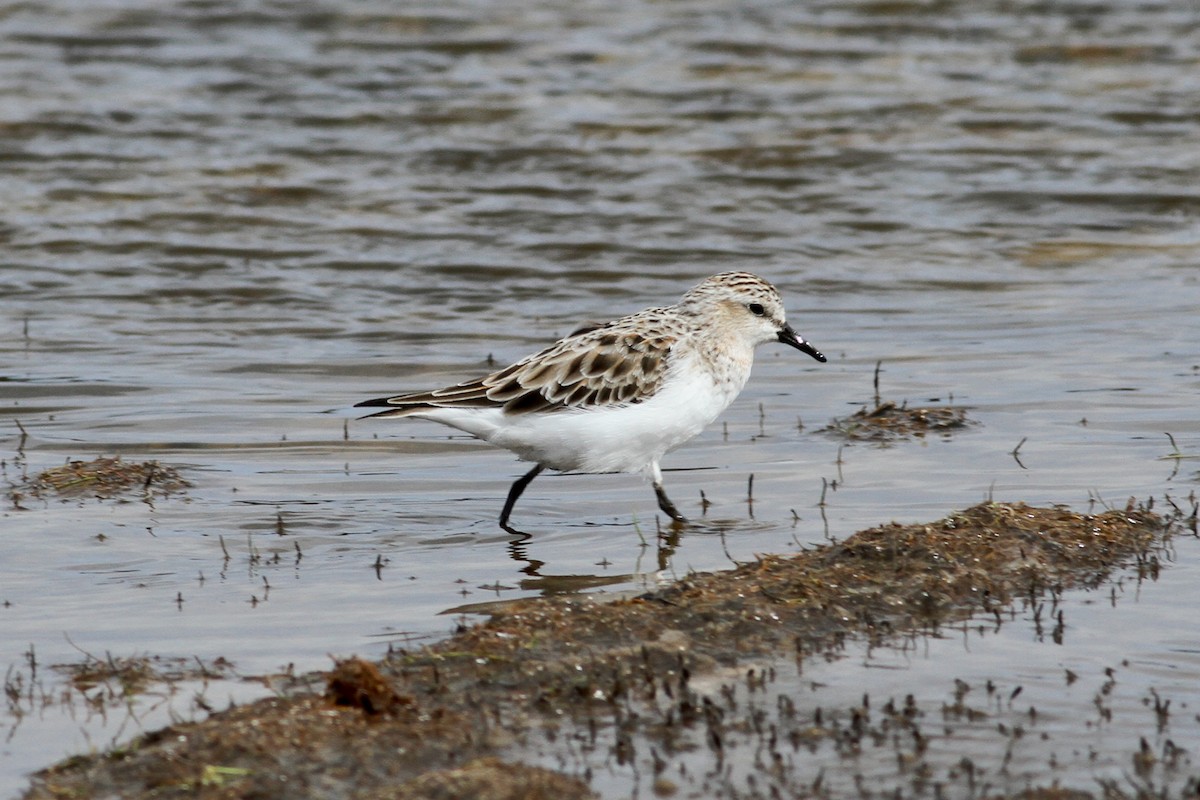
790	337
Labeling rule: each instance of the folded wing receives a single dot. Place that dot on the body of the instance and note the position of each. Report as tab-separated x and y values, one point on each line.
604	366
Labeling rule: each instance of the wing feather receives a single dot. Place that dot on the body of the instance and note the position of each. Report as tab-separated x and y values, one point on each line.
605	365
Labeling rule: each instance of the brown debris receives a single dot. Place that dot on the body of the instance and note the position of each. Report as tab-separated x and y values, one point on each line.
107	478
359	684
888	422
624	666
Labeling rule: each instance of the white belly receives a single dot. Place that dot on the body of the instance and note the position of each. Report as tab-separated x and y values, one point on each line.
619	439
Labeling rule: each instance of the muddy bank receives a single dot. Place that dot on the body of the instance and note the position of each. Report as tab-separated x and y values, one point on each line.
574	684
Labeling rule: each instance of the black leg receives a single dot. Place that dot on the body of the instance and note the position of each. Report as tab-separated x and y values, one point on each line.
666	505
515	492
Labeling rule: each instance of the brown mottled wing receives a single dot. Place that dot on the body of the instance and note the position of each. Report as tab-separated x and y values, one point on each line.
602	366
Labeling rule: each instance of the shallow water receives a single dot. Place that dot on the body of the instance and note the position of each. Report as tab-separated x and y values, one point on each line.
225	224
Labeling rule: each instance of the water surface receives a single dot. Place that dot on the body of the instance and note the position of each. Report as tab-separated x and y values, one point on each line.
224	224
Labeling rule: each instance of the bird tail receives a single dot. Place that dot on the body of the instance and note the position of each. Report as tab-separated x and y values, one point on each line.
396	407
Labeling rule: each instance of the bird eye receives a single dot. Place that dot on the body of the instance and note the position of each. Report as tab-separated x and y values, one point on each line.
756	309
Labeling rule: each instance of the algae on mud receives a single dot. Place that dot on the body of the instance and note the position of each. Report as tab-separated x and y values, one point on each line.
436	722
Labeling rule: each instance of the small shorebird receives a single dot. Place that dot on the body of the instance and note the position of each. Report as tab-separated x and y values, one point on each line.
616	397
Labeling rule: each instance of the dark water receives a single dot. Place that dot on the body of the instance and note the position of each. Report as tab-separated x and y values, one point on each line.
225	223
